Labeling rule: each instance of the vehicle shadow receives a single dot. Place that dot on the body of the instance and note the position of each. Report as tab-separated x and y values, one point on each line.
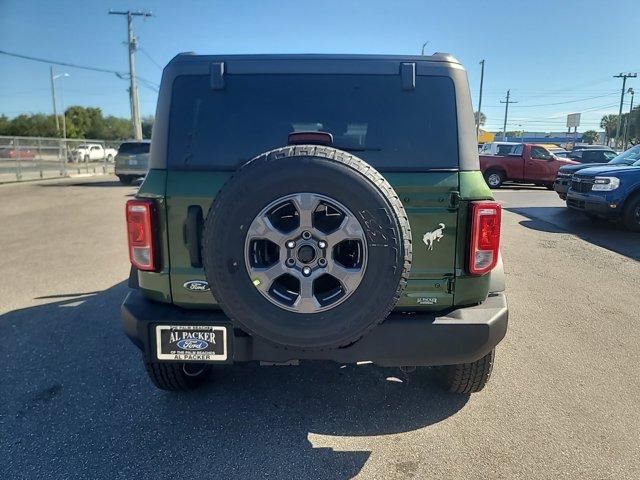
605	234
520	186
77	400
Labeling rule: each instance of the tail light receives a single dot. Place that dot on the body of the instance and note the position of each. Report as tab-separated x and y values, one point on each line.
485	236
140	219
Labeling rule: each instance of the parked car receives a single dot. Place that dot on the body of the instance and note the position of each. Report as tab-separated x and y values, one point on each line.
132	161
527	163
563	178
497	148
592	155
265	230
17	152
608	192
559	152
89	152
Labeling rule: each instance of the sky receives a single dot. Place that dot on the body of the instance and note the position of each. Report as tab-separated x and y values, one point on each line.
556	56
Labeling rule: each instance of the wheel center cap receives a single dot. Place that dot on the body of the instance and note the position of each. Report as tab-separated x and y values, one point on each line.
306	253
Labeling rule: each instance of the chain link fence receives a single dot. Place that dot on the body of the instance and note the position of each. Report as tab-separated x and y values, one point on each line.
34	158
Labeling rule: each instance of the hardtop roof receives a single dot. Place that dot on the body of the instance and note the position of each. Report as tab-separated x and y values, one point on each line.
436	57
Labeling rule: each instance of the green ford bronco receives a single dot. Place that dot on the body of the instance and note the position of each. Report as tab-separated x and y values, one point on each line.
315	207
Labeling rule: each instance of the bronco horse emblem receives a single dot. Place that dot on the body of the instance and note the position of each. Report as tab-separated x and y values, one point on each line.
434	236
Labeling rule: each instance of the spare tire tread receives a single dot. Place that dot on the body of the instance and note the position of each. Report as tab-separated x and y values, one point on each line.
353	162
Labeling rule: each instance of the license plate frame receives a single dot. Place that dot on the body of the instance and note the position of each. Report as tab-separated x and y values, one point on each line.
192	343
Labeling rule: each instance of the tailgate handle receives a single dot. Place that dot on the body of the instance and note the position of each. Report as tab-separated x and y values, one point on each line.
192	234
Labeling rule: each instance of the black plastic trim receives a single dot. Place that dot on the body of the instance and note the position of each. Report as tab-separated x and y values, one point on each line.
418	338
193	233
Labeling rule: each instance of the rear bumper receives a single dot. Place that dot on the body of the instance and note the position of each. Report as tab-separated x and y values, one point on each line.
425	339
596	205
131	171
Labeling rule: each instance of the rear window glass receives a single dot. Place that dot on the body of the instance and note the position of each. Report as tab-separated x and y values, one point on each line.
505	149
369	115
134	148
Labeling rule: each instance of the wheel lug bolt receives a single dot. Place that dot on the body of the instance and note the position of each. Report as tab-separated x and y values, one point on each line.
322	262
290	262
291	244
322	244
306	271
306	235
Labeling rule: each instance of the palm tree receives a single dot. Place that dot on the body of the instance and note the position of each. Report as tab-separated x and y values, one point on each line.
610	124
590	136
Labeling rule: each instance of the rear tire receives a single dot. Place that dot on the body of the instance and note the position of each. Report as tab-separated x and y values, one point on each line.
631	216
125	179
494	179
466	377
177	377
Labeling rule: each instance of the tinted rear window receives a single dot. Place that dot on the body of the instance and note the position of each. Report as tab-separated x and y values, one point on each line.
132	148
369	115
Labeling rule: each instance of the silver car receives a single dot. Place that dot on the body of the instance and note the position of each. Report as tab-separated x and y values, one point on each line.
132	160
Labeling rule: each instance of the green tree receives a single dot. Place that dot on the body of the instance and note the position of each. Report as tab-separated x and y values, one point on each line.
609	123
5	123
84	122
590	136
116	128
514	133
147	126
32	125
483	117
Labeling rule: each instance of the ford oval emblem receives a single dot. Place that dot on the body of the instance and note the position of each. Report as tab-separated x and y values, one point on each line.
196	286
192	344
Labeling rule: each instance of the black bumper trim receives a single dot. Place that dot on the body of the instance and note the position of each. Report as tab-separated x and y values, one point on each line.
403	339
590	204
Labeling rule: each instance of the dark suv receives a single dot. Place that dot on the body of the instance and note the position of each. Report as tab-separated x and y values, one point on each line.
304	207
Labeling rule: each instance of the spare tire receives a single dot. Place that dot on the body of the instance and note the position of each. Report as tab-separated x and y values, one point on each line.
307	247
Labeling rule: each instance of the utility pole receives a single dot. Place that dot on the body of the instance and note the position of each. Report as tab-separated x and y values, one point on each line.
624	77
506	113
626	127
133	85
53	96
480	101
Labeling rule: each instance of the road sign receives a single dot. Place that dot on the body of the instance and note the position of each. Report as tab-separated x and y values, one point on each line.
573	120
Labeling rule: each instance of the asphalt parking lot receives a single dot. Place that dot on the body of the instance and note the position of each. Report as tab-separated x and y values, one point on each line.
76	402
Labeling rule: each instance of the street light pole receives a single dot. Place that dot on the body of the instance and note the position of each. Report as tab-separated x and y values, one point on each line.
53	97
480	101
624	77
423	46
64	117
626	127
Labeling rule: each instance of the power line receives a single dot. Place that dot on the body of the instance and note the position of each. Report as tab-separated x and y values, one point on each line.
559	103
120	75
146	54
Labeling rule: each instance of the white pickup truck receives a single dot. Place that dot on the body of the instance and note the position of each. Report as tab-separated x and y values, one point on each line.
88	152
